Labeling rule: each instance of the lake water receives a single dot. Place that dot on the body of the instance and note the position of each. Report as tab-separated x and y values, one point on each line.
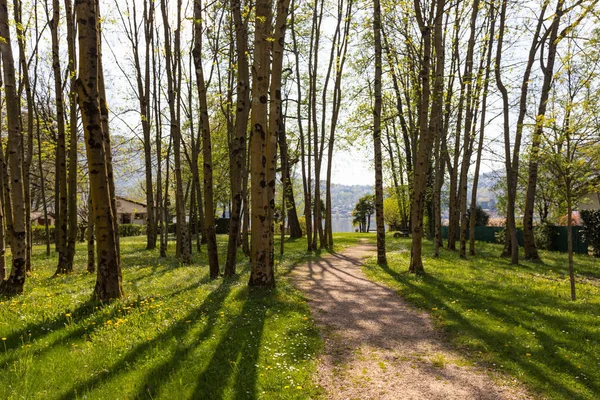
341	224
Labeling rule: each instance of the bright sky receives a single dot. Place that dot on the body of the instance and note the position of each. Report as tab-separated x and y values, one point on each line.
353	168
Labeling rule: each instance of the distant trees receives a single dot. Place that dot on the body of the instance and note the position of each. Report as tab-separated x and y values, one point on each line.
364	208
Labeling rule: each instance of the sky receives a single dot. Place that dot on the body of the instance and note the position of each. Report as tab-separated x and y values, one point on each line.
352	167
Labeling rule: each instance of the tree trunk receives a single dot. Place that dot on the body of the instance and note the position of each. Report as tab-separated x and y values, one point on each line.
209	212
306	172
288	190
467	134
486	82
531	252
276	126
173	68
16	280
261	273
73	166
381	258
426	135
91	260
61	161
570	244
28	155
237	156
109	281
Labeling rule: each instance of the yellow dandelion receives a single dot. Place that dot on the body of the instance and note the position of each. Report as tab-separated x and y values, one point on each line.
527	355
3	339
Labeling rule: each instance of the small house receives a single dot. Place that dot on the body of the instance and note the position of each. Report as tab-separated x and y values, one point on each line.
37	218
130	211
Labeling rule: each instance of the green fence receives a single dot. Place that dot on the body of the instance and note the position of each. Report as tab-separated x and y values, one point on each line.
559	237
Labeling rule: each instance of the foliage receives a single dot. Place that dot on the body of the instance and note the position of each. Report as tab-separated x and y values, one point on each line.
481	216
127	230
518	320
591	229
575	219
543	234
302	221
38	234
391	212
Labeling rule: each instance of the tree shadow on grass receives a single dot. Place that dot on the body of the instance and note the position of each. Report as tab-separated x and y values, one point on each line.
237	353
210	306
435	291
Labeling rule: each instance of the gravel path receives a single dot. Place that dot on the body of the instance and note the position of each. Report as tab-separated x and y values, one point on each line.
379	347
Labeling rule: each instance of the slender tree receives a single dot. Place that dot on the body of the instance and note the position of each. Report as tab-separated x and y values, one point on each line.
381	258
209	212
109	280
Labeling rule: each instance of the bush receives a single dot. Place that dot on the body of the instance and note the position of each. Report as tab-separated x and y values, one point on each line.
481	216
126	230
590	232
38	234
222	225
302	221
543	234
500	236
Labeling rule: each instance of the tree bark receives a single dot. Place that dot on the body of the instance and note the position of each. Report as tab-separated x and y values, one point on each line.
61	160
237	156
531	252
261	273
109	280
73	141
16	280
381	258
209	212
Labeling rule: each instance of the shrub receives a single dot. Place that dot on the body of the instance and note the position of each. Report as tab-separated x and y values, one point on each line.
222	225
38	234
302	220
591	229
543	236
126	230
481	216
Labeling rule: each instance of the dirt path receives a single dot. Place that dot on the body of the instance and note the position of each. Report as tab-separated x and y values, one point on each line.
379	347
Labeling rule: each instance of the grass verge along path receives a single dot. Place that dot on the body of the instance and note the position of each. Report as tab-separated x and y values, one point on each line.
175	334
514	319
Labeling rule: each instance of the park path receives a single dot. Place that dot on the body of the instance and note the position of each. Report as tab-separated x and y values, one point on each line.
379	347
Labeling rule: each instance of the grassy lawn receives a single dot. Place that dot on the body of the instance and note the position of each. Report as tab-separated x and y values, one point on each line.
515	319
174	335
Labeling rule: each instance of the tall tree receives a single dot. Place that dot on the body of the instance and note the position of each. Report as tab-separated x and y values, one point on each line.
262	273
74	134
173	67
381	258
426	134
61	155
109	280
16	280
551	40
209	212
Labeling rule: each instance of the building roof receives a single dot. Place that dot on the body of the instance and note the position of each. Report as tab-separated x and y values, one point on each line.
39	214
131	201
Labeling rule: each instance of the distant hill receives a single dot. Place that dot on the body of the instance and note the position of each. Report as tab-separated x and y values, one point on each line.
344	197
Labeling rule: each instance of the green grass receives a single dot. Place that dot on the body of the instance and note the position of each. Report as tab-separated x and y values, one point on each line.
518	320
175	334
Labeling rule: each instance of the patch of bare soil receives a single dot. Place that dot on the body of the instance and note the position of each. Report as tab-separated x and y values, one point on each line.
379	347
